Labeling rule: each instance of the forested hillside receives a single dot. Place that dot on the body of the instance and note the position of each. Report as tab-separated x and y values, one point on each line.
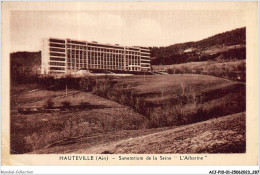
226	46
24	65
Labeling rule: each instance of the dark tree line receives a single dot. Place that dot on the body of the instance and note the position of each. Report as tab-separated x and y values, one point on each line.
24	65
175	54
232	54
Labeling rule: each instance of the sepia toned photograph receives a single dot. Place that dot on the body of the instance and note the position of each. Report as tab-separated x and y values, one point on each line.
155	92
128	81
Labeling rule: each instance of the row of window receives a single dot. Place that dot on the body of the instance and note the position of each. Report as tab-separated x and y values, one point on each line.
57	50
57	59
92	48
56	54
113	62
104	57
146	61
102	60
57	45
115	59
98	62
133	49
113	54
145	51
77	42
110	58
92	60
57	68
94	53
95	63
57	41
109	67
144	65
76	47
57	64
106	46
103	51
71	65
77	52
148	50
145	54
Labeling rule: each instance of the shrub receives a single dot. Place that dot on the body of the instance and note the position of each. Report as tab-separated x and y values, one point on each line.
84	105
87	84
20	110
170	71
102	86
198	70
19	145
200	115
49	104
66	104
178	71
241	67
186	69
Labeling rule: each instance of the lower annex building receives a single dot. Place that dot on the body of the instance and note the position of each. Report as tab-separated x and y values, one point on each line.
65	56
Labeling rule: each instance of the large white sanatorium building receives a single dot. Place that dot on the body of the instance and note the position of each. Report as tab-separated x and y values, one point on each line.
68	56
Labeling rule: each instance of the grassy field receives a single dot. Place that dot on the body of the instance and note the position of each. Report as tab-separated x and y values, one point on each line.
168	100
234	70
36	130
75	144
222	135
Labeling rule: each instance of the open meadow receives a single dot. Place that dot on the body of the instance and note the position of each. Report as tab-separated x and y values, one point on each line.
75	115
177	99
233	70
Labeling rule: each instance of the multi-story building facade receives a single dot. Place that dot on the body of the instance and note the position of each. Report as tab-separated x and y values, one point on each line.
67	56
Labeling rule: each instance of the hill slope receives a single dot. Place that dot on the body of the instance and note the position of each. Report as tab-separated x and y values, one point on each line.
87	116
176	99
228	45
222	135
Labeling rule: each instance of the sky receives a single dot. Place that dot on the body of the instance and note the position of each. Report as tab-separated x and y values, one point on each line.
129	28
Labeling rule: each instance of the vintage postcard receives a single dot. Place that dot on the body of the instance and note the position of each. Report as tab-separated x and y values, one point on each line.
129	83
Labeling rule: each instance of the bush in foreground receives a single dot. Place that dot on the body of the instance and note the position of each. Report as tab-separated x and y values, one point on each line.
66	104
49	104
